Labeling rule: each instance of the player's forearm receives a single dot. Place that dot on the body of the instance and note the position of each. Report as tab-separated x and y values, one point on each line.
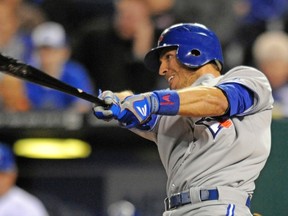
195	102
202	101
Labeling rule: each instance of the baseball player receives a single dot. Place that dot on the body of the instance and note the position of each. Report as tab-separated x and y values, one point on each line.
212	129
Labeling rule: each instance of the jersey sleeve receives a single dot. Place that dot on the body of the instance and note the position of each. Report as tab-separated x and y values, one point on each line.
257	85
239	97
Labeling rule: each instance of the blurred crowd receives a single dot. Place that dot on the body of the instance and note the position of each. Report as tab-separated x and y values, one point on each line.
97	44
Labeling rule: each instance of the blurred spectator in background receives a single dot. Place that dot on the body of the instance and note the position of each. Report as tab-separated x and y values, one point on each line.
113	51
162	13
30	15
13	94
15	41
270	52
52	55
253	17
217	15
15	201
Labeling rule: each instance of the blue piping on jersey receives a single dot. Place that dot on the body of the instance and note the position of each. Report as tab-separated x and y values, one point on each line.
230	210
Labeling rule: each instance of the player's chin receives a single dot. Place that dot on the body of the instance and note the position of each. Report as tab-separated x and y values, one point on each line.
175	83
173	87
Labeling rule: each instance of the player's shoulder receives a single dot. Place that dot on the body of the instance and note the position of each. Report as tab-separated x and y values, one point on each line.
254	80
242	73
248	76
244	70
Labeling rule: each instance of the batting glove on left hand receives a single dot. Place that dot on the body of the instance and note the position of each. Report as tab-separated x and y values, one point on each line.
113	106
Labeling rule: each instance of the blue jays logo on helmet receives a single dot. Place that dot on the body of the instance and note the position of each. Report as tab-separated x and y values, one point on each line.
196	46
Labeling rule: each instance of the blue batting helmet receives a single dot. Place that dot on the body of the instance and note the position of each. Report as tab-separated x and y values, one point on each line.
196	46
7	159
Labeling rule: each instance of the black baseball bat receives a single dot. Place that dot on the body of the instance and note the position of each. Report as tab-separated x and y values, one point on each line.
27	72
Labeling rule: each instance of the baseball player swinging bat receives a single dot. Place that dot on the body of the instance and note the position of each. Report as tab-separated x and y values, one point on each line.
24	71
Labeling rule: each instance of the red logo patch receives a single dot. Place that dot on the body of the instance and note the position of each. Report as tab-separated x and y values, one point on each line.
226	124
166	100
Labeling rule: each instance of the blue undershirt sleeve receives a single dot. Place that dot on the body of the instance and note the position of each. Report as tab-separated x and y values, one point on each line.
240	98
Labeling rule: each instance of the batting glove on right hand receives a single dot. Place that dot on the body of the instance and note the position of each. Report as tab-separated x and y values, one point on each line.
113	106
136	110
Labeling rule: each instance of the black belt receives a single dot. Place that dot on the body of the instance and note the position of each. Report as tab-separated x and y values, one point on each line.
183	198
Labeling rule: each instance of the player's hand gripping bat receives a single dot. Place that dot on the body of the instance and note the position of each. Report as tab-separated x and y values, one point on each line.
24	71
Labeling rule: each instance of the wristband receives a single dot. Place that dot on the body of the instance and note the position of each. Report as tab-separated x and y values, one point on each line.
168	101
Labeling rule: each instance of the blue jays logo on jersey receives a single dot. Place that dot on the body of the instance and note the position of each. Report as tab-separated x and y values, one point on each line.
214	125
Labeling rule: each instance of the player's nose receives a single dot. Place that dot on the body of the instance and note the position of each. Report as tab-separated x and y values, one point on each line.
163	69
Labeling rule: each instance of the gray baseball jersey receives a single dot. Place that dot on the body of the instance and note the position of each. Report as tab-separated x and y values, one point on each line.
207	152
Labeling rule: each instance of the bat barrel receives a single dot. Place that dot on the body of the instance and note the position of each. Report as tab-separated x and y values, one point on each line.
21	70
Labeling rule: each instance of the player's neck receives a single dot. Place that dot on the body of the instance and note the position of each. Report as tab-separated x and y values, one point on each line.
208	69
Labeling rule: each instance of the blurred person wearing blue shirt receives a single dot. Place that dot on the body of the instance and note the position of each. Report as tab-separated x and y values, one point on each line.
14	201
52	55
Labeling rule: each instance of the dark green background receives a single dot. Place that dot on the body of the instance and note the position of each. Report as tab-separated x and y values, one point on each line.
271	194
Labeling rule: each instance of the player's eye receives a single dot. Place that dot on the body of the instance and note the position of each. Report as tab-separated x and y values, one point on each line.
168	57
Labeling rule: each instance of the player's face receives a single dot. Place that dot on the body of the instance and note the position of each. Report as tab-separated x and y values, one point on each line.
177	75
